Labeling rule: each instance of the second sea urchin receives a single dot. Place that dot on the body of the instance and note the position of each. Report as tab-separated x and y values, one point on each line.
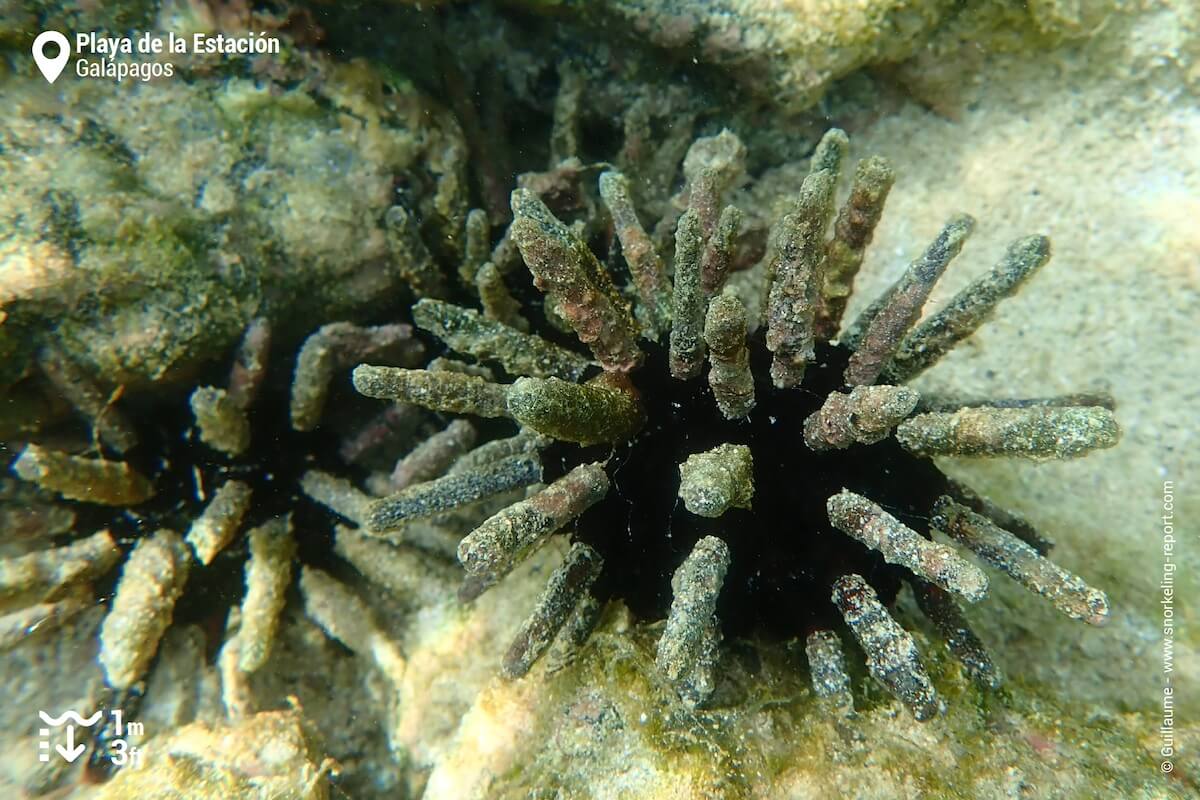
788	490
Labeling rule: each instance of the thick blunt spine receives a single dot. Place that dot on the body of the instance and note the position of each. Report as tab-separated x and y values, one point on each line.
645	265
335	347
497	301
687	302
268	574
443	494
729	374
864	416
151	582
1036	432
222	423
566	269
440	391
797	279
589	413
1004	551
830	680
718	252
90	480
892	657
886	322
558	601
859	518
969	309
45	573
696	585
218	523
852	232
712	482
491	548
465	331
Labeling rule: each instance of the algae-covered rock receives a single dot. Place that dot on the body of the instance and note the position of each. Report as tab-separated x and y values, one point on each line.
145	223
608	725
787	53
268	756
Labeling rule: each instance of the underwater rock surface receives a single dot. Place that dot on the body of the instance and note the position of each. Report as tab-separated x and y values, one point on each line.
144	225
1091	142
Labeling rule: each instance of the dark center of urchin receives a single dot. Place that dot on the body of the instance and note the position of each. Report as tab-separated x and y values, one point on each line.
186	472
784	554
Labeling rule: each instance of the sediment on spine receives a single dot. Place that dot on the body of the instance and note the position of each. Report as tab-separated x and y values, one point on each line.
336	347
45	574
249	368
477	248
218	523
859	518
830	680
1004	551
892	656
924	345
796	279
465	331
941	609
433	457
142	606
443	494
439	391
1038	432
223	425
92	480
864	416
645	265
554	607
852	232
493	546
687	301
574	633
601	410
877	333
718	252
712	482
497	449
696	585
268	574
729	373
337	494
16	626
497	302
566	270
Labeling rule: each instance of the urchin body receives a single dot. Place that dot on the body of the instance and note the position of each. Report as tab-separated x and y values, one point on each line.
728	468
766	492
784	556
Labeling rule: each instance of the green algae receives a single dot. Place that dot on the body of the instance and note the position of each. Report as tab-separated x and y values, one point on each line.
611	720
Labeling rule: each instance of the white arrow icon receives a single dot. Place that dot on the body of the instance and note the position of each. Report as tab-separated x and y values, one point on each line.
51	67
72	751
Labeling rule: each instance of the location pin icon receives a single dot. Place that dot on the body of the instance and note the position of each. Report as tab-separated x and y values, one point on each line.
51	67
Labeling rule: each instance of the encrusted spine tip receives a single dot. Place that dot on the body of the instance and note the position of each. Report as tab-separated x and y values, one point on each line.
892	656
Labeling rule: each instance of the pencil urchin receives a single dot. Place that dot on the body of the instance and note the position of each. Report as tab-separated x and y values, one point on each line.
788	489
184	498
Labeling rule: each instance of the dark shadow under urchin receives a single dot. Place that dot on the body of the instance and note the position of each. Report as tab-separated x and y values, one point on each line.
784	554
